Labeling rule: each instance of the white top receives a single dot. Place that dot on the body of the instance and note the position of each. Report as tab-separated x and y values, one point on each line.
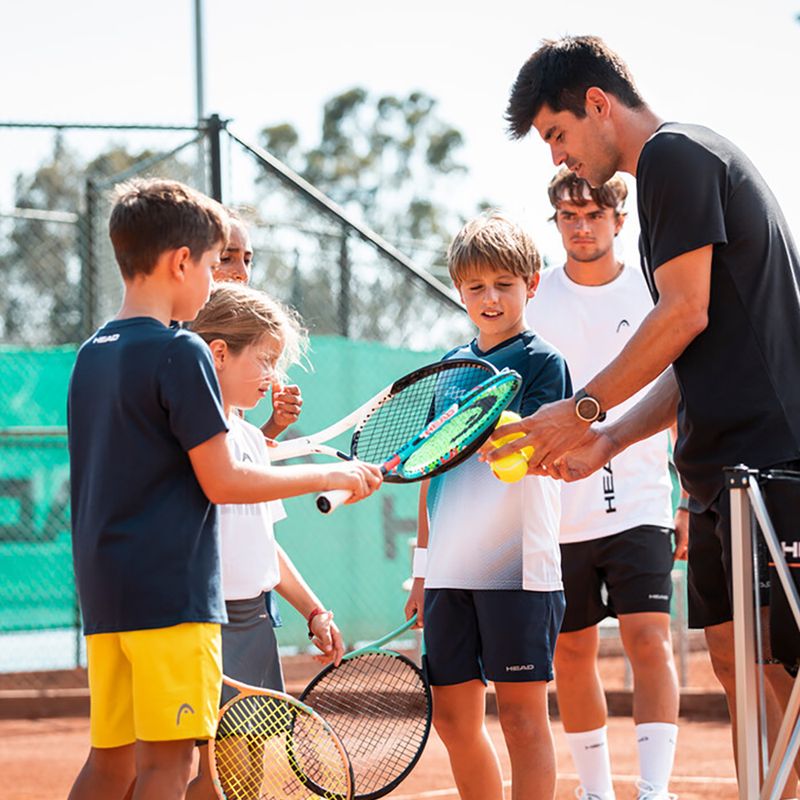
590	325
487	534
249	556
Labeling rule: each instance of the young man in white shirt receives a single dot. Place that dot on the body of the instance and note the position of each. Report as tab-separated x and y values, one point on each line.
616	525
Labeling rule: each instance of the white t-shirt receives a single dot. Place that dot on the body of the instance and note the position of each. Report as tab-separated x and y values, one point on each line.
487	534
590	325
507	539
249	557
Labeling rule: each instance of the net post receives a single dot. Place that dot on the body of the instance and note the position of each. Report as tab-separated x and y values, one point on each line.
737	481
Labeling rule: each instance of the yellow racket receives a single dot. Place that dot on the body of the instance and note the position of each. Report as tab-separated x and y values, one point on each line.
269	746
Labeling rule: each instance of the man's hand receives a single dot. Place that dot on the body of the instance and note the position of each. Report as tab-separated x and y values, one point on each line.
551	431
287	403
595	450
681	535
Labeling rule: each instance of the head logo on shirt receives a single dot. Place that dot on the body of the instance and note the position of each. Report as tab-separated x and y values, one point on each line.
623	324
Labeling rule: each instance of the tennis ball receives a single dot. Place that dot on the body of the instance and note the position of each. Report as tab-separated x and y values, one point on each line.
511	468
515	466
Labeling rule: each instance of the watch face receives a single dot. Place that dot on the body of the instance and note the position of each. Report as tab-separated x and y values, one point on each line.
588	409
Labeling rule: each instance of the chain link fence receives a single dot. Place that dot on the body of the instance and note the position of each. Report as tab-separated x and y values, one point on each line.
371	313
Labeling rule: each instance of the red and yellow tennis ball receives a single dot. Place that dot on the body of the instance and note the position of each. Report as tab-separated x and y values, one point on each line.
514	467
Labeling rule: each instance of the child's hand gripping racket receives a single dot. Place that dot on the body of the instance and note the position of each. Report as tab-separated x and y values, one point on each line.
379	704
270	745
423	424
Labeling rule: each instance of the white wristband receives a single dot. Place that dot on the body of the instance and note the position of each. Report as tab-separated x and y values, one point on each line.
420	562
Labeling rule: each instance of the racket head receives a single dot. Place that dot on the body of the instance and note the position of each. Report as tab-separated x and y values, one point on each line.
270	745
410	404
462	435
379	704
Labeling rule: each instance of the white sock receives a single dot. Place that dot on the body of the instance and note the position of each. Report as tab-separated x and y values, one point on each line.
656	742
590	754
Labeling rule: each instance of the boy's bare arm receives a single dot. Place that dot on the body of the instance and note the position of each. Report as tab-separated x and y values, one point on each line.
225	480
416	598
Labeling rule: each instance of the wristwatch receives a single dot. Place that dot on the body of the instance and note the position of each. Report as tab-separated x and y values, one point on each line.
587	408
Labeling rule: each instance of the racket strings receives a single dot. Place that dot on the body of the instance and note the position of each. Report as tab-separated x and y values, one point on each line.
474	419
378	706
412	407
266	749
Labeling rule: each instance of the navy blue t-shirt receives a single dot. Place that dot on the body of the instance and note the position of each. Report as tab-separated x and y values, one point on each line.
145	538
545	376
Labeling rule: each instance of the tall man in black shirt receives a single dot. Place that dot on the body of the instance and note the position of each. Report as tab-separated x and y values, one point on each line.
724	334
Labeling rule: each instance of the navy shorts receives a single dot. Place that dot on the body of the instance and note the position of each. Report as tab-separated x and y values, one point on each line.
626	573
495	635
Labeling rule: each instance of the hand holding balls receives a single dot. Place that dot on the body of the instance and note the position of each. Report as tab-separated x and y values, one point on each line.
515	466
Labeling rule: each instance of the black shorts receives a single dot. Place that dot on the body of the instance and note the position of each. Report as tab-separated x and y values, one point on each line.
494	635
634	567
709	576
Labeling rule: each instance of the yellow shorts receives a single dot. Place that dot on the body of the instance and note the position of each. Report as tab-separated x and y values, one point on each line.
156	685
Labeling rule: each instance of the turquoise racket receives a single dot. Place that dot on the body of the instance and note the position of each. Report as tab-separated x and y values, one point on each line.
378	702
457	424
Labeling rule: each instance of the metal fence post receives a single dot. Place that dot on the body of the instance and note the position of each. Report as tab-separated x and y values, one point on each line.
214	125
344	287
89	276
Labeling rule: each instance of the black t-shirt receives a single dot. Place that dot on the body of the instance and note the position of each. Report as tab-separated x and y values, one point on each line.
145	537
740	378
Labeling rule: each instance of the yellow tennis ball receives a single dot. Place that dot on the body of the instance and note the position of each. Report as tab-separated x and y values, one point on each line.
513	467
506	418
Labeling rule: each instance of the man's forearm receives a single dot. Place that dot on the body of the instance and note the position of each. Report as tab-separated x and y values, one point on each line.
655	412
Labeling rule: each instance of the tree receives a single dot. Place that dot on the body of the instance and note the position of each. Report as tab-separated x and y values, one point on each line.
389	160
41	256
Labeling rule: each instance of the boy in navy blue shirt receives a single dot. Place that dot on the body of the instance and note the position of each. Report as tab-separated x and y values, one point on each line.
149	459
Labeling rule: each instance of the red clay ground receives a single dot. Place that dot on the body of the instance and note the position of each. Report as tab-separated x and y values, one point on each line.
40	758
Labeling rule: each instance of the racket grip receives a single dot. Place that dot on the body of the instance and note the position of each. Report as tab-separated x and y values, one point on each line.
328	502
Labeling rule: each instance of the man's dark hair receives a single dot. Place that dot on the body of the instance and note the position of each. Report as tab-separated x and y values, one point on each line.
559	74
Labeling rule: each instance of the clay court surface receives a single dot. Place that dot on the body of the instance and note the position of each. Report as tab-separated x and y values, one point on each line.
40	758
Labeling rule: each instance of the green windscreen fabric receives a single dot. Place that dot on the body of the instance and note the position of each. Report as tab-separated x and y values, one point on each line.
355	559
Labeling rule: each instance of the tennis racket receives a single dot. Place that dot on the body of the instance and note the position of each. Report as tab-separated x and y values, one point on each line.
423	424
269	745
379	703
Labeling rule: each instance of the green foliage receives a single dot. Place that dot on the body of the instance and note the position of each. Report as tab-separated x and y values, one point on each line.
43	245
391	161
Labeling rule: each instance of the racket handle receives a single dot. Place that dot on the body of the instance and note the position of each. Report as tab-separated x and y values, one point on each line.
328	502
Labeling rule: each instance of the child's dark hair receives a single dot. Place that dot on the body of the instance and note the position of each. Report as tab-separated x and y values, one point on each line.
495	242
153	216
559	74
567	186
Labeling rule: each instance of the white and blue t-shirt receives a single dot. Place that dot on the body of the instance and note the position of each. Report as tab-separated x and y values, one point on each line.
487	534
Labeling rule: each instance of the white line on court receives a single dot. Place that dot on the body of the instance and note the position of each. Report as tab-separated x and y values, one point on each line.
572	776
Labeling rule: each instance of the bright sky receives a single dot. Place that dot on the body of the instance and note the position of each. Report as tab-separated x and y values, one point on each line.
729	64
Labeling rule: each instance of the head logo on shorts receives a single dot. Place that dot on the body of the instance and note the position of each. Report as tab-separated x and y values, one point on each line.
184	708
